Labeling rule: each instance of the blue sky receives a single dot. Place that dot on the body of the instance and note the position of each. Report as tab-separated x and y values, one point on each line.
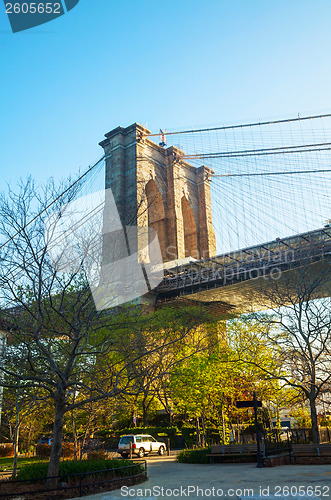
166	64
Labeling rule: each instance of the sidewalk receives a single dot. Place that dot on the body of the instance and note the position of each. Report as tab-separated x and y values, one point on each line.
169	479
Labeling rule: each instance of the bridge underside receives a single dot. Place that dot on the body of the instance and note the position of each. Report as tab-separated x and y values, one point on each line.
257	278
261	292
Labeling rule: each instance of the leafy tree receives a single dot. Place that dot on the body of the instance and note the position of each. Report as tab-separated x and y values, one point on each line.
19	405
170	336
207	386
195	390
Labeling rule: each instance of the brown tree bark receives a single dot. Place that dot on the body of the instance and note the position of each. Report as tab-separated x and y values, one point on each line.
16	438
54	461
314	422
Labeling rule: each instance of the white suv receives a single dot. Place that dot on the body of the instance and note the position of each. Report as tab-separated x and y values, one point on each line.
141	444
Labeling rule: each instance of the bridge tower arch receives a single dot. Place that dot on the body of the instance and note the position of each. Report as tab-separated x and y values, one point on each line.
156	214
153	186
190	230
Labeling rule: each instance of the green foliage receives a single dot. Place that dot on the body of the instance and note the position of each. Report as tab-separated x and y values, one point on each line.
194	456
302	416
326	421
189	434
68	467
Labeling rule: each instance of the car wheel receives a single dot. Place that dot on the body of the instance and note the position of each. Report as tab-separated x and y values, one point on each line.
161	450
141	452
125	455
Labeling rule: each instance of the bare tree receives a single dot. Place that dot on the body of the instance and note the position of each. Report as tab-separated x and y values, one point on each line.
62	345
299	331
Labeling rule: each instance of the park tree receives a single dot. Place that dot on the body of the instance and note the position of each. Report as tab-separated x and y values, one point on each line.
19	406
53	322
207	386
298	330
170	336
58	342
196	392
254	359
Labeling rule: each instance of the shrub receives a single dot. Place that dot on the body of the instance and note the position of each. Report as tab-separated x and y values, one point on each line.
196	456
6	450
39	471
97	455
44	450
68	450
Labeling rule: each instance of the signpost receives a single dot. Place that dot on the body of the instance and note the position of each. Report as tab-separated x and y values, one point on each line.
254	404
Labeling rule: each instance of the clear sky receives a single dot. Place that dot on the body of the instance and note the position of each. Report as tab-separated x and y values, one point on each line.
166	64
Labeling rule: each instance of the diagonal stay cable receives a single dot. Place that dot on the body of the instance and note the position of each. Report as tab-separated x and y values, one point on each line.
255	124
52	203
293	172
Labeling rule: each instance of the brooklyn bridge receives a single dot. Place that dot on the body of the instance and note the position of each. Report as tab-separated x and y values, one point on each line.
235	207
198	207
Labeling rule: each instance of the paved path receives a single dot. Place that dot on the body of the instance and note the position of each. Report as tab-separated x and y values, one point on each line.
226	481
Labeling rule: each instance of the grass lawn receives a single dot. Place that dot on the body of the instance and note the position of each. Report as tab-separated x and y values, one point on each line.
7	463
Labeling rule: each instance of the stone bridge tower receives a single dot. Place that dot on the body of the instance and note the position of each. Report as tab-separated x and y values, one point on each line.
154	187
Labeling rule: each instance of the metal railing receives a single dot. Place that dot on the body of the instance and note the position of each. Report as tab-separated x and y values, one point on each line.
248	263
78	481
277	443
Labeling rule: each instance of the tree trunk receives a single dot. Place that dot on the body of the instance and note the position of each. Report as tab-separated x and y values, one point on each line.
203	423
28	440
74	435
223	424
54	461
198	431
16	437
144	413
85	435
16	430
314	422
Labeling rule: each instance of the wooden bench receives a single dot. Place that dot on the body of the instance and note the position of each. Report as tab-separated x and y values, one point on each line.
311	450
223	450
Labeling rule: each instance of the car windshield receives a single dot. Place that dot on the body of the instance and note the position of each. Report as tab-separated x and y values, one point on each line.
126	440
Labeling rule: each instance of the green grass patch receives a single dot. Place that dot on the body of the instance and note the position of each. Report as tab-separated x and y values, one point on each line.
37	471
194	456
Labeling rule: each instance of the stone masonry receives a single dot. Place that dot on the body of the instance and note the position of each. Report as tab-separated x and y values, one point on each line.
154	187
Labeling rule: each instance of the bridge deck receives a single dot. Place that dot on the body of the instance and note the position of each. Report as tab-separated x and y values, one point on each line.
265	260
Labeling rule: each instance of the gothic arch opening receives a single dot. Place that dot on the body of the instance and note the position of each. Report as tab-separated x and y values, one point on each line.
156	214
190	230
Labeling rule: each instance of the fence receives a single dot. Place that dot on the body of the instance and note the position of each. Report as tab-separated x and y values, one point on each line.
304	435
81	482
277	443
